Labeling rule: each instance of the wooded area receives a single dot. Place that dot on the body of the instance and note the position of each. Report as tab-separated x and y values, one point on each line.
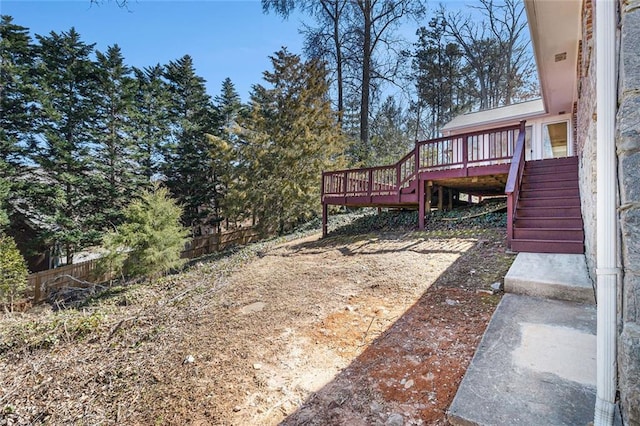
83	134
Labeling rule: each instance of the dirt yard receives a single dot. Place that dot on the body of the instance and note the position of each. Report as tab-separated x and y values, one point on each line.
374	329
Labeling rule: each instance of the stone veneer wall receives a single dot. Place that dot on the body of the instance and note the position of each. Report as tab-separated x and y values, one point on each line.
628	150
628	153
586	134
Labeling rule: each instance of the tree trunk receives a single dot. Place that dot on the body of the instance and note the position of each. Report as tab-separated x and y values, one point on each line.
338	46
365	6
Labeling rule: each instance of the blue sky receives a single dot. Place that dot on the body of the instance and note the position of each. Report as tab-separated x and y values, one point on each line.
226	38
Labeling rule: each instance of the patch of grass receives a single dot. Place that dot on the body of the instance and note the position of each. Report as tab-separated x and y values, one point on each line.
46	333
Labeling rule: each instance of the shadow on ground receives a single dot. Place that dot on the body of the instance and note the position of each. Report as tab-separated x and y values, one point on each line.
442	242
410	373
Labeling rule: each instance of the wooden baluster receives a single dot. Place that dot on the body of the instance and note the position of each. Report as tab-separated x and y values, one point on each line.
465	151
344	184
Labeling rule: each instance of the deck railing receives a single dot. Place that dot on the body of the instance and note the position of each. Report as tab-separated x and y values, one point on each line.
494	146
512	188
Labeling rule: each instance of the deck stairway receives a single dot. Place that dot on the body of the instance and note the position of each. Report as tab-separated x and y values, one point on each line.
547	216
543	202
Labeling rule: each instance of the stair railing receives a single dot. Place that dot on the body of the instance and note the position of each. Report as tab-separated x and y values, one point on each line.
512	188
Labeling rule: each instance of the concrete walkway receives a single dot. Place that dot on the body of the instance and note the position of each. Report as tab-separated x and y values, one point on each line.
536	363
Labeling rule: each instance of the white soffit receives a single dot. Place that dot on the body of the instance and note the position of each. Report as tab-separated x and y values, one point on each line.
555	31
506	115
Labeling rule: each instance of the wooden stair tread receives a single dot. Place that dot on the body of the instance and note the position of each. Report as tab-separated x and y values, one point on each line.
545	240
548	246
556	229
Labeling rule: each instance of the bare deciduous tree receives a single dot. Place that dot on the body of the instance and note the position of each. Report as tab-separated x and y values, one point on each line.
497	50
358	40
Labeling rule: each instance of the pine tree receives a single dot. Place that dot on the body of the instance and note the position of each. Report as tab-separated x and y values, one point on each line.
115	153
150	240
4	195
151	127
189	169
439	74
292	136
227	149
66	85
16	96
229	109
390	138
15	62
13	271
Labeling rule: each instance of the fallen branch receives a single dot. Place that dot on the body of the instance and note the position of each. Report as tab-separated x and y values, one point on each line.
366	333
87	284
455	219
119	325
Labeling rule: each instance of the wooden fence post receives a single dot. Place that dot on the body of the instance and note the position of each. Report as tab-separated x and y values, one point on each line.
36	290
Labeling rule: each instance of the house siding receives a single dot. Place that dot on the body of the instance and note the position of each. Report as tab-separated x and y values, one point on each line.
628	150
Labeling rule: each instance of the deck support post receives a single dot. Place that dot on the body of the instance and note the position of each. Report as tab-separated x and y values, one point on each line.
421	202
325	219
450	206
429	196
440	197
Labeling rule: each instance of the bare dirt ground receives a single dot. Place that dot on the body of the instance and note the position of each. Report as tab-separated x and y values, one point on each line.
358	330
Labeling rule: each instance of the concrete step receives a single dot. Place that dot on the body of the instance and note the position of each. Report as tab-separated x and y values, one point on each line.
535	365
553	276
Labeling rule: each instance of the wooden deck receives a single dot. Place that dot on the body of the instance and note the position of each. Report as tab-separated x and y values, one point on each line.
473	163
543	197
